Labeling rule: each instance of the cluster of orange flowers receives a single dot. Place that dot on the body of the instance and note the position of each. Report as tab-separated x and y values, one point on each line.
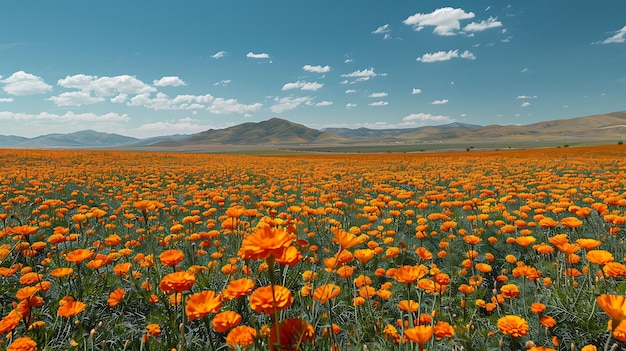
280	252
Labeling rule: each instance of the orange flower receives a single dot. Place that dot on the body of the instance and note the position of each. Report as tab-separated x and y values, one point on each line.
599	257
293	333
69	308
79	255
326	292
223	321
409	274
346	239
588	244
547	321
409	305
472	239
241	337
238	288
614	306
115	297
23	344
202	303
510	291
154	329
22	230
171	257
177	281
512	325
571	222
443	330
10	321
262	301
537	307
364	255
420	334
61	272
264	242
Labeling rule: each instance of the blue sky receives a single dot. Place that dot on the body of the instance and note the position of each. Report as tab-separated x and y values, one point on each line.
148	68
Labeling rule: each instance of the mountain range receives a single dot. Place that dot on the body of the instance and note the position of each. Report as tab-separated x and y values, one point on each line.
282	133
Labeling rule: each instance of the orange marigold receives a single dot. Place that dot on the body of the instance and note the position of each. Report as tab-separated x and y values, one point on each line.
241	337
177	281
23	344
326	292
171	257
68	307
202	303
293	332
226	320
238	288
262	301
264	242
512	325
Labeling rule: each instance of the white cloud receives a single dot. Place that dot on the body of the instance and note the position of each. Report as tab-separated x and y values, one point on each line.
427	117
379	103
324	103
163	102
303	86
445	56
106	86
378	95
416	91
223	83
527	97
524	70
483	25
67	117
445	20
382	29
21	83
440	102
6	99
316	69
350	105
182	126
120	98
368	72
347	60
257	56
221	106
219	54
350	91
75	98
468	55
288	103
169	81
525	104
618	37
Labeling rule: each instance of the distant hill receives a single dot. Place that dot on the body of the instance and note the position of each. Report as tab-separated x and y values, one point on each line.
280	132
275	131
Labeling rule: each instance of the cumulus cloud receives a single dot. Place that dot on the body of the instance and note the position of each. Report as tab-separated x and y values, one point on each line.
416	91
427	117
289	103
382	29
440	102
445	56
221	106
446	20
368	72
378	95
219	54
483	25
169	81
527	96
324	103
75	98
163	102
316	69
350	91
525	104
350	105
106	86
120	98
379	103
182	126
618	37
6	99
257	56
21	83
302	85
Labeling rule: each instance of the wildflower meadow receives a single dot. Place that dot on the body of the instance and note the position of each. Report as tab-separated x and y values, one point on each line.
489	250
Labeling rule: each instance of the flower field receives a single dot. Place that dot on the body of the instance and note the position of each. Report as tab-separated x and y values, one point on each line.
500	250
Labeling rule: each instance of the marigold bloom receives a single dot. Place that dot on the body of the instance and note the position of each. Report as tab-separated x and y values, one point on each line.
115	297
588	244
10	321
364	255
241	337
512	325
571	222
177	282
264	242
547	321
79	255
22	230
614	306
69	308
226	320
153	329
346	239
443	330
537	307
171	257
61	272
262	301
326	292
420	334
409	305
409	274
599	257
510	291
293	333
614	270
238	288
202	303
23	344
